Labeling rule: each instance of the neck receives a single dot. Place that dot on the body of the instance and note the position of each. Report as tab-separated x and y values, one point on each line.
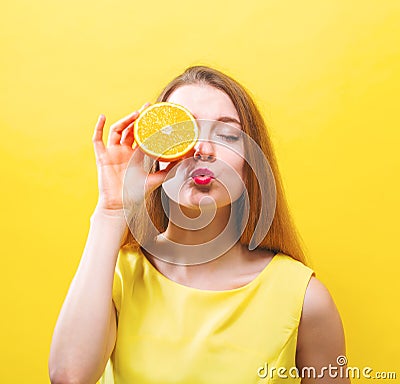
195	237
195	227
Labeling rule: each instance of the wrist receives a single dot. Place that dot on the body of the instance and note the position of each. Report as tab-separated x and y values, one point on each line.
108	225
115	215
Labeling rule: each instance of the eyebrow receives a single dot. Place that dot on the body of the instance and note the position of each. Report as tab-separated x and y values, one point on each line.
228	119
225	119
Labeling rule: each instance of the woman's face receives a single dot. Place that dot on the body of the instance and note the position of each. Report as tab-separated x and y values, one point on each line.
214	169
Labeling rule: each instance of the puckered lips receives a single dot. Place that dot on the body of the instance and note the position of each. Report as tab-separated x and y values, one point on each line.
202	176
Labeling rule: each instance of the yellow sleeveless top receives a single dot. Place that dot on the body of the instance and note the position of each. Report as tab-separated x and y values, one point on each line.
171	333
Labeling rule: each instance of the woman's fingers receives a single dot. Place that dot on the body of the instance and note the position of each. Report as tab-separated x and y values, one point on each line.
145	105
116	129
137	159
97	138
115	136
154	180
127	137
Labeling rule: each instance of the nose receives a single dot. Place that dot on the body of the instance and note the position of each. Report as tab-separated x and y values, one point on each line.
204	150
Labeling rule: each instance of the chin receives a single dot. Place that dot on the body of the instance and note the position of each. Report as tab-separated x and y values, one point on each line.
206	202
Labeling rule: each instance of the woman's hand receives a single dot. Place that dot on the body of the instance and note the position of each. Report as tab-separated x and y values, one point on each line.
114	159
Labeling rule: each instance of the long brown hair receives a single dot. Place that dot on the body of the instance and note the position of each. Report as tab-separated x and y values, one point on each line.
282	235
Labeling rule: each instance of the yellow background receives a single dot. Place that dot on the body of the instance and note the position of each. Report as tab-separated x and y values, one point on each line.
324	73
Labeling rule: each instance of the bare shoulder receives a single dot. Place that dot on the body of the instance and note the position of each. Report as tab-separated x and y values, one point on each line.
320	339
318	302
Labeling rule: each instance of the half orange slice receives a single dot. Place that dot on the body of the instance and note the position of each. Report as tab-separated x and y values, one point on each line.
166	131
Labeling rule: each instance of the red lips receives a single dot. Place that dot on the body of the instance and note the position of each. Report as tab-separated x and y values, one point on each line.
202	176
202	172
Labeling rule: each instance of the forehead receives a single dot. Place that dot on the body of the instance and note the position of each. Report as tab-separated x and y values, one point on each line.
204	101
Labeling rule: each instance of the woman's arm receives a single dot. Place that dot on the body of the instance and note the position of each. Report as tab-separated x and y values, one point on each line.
85	332
84	336
321	339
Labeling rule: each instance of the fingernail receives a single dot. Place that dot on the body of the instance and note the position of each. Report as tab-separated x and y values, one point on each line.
145	105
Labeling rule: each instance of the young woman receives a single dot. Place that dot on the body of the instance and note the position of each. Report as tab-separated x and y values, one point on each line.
194	273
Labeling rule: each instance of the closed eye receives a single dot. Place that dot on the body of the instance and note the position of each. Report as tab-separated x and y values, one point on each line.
229	138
